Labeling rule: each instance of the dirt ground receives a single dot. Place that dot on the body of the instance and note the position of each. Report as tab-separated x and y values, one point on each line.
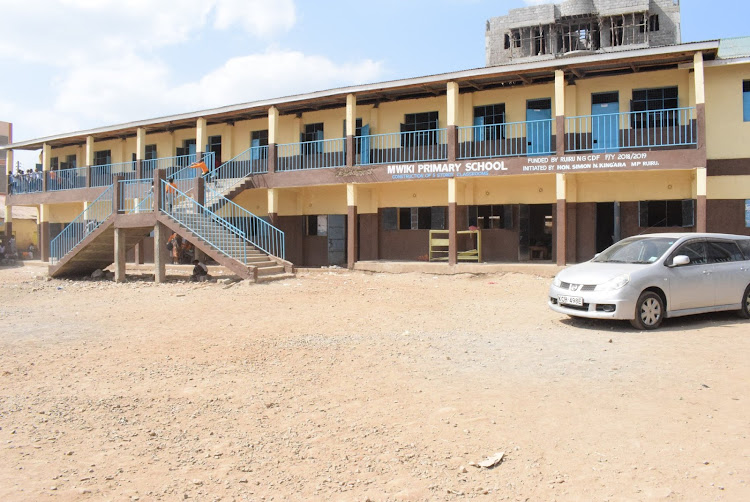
339	385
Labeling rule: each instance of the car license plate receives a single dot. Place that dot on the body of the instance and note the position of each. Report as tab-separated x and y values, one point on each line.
570	300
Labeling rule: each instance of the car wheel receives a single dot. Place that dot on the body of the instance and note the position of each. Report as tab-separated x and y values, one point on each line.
649	311
745	308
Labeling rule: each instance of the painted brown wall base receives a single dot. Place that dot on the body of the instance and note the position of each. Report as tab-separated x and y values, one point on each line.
728	167
316	251
726	216
584	240
44	240
560	232
352	240
368	236
293	229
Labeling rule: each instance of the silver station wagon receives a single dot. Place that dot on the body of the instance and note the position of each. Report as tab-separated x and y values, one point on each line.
649	277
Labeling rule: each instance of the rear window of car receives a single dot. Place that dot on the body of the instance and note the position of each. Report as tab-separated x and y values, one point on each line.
744	245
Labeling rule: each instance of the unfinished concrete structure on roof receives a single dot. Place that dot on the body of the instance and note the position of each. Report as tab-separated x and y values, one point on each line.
553	30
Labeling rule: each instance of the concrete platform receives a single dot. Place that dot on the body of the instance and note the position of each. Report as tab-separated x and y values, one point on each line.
399	267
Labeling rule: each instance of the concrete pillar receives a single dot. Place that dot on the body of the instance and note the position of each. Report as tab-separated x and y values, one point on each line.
227	144
140	151
44	237
119	255
201	138
273	135
138	253
161	234
159	176
46	156
700	99
351	129
452	229
700	207
352	237
116	192
8	221
273	205
559	112
561	218
199	191
8	168
452	96
89	159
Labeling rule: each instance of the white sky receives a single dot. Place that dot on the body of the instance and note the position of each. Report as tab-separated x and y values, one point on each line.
79	64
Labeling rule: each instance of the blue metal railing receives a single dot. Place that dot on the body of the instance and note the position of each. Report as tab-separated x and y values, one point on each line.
511	139
171	164
216	231
318	154
254	160
646	129
66	179
103	175
258	232
394	148
25	183
136	196
84	224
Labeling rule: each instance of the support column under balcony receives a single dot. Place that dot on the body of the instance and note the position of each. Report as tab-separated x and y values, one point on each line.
119	254
561	219
352	236
161	234
700	206
452	230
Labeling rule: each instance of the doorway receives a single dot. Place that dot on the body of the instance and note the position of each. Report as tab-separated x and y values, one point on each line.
214	145
535	225
538	126
336	239
607	224
605	132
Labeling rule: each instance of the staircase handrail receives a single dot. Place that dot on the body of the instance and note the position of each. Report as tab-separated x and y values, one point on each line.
260	151
190	172
260	233
225	246
84	224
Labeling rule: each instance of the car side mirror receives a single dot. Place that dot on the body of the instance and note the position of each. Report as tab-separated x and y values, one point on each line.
680	260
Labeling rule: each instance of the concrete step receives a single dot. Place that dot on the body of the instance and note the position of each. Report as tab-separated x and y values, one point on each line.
275	269
265	264
274	277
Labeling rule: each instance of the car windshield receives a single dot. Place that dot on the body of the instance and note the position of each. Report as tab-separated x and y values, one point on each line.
636	250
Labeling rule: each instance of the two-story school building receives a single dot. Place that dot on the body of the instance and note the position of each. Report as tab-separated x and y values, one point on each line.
550	160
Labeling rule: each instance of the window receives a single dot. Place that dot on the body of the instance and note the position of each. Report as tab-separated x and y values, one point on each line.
71	161
414	218
653	22
357	133
414	122
653	102
506	45
666	213
723	251
491	217
313	132
259	138
695	250
53	164
316	225
493	118
746	100
102	157
150	152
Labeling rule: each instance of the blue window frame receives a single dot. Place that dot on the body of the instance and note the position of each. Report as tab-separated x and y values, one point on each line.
746	100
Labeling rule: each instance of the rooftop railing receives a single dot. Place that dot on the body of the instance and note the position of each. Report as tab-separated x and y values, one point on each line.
612	132
25	183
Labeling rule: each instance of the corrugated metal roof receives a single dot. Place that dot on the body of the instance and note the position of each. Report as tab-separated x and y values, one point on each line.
730	48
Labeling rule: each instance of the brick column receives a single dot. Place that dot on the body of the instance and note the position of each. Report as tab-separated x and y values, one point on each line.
201	138
452	97
561	220
273	206
140	152
89	159
45	165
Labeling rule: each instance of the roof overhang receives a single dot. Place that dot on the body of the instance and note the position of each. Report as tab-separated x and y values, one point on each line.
582	66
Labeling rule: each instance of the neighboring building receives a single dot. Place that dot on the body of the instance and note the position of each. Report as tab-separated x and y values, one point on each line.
548	160
549	31
25	227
